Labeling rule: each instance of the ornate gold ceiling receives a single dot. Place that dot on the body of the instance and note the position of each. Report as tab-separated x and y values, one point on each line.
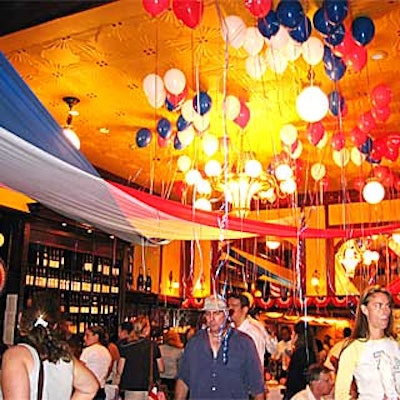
102	56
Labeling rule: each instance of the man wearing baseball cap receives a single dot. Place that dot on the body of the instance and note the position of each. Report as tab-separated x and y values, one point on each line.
220	362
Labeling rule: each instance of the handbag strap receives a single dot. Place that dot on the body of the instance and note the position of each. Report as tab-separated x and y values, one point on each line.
40	380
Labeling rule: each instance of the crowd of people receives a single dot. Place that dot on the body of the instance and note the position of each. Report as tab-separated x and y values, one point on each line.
230	356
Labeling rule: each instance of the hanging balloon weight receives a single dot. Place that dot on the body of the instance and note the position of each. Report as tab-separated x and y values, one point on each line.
163	143
381	114
143	137
187	110
315	132
363	30
338	141
232	107
164	128
336	102
243	117
321	24
175	81
155	7
302	31
269	25
255	66
381	95
189	12
290	13
358	58
202	103
312	51
336	35
259	8
336	10
234	31
181	123
253	41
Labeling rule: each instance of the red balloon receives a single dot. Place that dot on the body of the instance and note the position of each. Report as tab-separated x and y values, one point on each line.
381	95
381	172
345	48
388	180
155	7
259	8
177	99
392	153
393	140
396	182
357	58
379	148
381	114
315	132
163	142
244	115
357	136
366	122
338	141
358	183
190	12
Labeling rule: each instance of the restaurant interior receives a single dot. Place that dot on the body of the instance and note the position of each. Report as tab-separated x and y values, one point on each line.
156	152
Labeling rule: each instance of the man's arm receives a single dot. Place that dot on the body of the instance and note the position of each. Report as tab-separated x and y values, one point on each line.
181	390
85	383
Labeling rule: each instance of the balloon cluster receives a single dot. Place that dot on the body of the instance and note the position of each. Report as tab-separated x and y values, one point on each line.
189	12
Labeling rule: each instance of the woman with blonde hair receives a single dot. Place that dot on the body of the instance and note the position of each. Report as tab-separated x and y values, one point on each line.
134	363
41	365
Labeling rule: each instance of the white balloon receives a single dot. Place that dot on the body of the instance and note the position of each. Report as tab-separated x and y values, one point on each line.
292	50
158	100
324	140
280	39
232	107
312	104
201	122
234	29
210	144
187	111
341	157
175	81
288	134
356	156
297	151
256	66
313	51
253	41
153	87
318	171
276	61
184	162
186	136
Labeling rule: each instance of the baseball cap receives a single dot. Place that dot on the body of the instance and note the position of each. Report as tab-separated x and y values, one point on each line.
214	303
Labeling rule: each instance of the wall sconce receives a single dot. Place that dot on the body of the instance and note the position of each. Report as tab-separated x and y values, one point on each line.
315	281
199	285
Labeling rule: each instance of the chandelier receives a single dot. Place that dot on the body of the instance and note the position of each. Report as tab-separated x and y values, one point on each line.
68	130
238	182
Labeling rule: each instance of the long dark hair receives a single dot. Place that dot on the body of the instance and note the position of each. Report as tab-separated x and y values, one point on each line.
41	326
361	326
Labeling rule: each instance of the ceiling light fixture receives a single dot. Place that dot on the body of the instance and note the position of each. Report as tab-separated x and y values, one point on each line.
68	131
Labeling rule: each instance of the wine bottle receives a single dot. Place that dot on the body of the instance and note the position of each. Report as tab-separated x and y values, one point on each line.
140	280
148	281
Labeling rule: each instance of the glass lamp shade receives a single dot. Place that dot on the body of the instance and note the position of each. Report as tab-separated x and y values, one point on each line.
272	244
72	137
373	192
312	104
253	168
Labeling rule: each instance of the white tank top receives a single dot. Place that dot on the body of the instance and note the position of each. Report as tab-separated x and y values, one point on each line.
57	378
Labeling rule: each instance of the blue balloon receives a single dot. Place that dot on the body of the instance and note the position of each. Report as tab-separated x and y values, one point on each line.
177	143
335	35
202	103
321	24
366	147
164	128
372	160
302	31
269	25
290	13
363	30
336	10
337	71
336	102
169	105
181	123
143	137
